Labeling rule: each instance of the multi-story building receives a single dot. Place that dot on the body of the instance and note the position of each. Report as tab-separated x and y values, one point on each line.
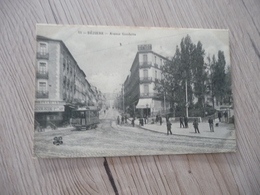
61	85
140	96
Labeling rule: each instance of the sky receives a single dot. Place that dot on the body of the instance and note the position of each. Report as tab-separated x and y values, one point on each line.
106	53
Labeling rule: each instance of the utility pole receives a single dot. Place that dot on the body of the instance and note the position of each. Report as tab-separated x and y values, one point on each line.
164	102
123	98
186	91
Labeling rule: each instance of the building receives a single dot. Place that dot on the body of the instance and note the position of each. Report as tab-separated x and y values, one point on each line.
140	97
61	85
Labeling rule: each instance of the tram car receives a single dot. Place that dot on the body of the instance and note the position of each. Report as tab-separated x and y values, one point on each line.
85	118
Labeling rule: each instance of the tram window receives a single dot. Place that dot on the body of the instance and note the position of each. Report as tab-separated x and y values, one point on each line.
82	114
78	115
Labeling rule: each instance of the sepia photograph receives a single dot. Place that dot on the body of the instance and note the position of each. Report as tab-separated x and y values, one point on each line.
128	91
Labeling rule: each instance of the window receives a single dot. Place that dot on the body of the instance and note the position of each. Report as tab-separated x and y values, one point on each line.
145	58
155	59
161	62
145	73
43	48
155	74
146	89
43	86
42	67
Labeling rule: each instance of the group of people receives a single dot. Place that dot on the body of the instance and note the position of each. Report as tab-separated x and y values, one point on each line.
225	114
195	125
158	119
184	122
123	119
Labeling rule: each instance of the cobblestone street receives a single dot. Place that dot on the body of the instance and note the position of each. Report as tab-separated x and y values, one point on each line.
110	139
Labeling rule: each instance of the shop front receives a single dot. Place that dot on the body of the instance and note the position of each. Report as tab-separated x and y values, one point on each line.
49	113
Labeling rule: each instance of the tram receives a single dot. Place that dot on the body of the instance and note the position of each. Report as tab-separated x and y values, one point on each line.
85	118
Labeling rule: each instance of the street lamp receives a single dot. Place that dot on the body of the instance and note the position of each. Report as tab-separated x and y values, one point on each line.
164	103
186	94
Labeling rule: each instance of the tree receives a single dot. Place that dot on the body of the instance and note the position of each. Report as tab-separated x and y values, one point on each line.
187	60
219	78
199	74
210	66
228	91
168	86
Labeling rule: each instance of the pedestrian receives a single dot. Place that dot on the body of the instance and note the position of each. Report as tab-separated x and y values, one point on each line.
169	127
196	126
186	122
211	125
133	122
219	116
125	118
226	116
141	121
118	120
181	122
157	118
160	118
122	119
145	119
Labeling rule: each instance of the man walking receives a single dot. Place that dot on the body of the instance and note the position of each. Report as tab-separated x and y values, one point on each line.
196	126
226	116
181	122
122	119
169	127
133	122
186	122
160	118
219	116
118	120
211	125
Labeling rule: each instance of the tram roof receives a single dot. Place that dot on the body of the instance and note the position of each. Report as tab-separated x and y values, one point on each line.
87	108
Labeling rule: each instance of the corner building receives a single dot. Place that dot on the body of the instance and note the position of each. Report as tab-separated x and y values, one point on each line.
60	83
141	99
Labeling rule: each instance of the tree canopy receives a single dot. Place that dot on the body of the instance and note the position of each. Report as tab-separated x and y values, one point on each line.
203	79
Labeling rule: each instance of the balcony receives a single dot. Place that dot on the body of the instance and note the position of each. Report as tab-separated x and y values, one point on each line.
146	79
145	64
42	94
42	75
149	95
42	55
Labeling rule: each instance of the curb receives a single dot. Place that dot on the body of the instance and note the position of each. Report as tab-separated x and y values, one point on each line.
184	135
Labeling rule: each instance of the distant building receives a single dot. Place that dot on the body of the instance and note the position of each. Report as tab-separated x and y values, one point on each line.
140	97
61	85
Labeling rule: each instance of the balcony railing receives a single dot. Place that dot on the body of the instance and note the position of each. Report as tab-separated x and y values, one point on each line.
145	64
42	75
146	79
149	95
42	55
42	94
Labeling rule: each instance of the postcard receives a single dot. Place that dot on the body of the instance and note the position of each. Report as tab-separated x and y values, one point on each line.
128	91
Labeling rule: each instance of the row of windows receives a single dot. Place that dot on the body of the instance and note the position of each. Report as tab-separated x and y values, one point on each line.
146	75
145	59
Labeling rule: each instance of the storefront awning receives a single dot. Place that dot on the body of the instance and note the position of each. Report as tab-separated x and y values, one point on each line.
144	103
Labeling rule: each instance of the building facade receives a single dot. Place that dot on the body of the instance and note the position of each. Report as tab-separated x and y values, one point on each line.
61	85
140	96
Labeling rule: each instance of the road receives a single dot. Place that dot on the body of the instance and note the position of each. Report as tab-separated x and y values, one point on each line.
110	139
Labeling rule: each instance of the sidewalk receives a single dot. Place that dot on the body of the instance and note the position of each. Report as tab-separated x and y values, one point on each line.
223	131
